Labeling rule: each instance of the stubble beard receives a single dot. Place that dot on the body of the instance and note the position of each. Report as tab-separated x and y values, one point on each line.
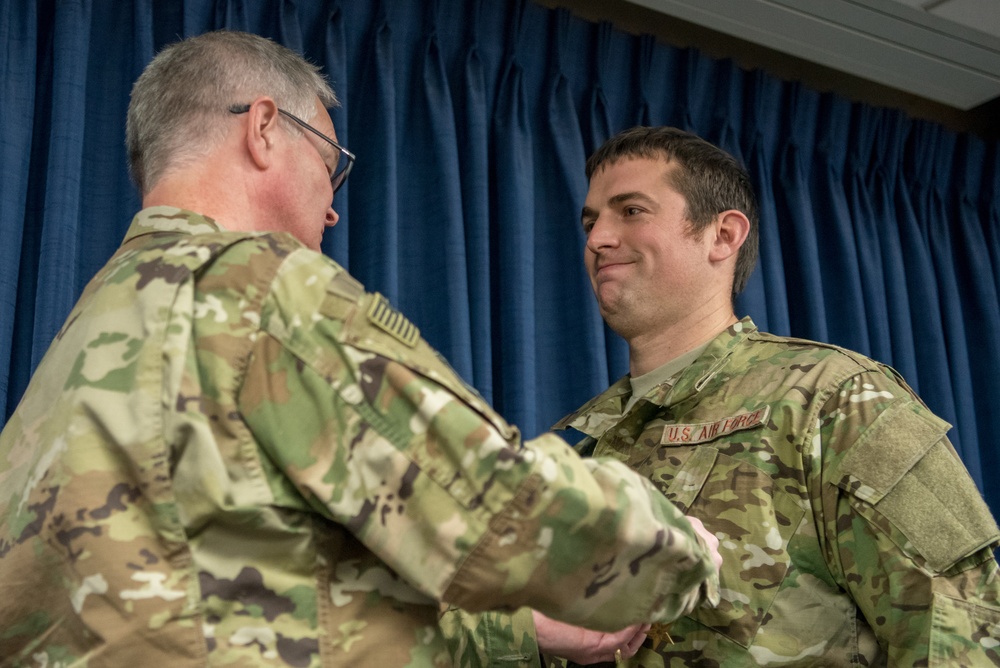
620	312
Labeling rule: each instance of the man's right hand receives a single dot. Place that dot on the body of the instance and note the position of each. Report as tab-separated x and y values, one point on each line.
584	646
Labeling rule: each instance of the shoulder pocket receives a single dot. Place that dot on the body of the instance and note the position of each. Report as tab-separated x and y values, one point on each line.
905	468
372	325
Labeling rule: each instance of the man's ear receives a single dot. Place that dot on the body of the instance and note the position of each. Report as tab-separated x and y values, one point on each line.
262	126
730	231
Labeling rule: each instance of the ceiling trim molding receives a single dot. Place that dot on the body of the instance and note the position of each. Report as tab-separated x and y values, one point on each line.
885	41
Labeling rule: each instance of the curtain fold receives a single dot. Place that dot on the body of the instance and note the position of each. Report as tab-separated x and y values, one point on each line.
332	47
55	227
761	138
848	256
513	232
374	179
17	115
972	269
430	135
560	277
797	223
938	202
601	127
931	359
891	341
472	135
471	121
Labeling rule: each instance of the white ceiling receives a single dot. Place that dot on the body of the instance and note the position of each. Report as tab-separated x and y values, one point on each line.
947	51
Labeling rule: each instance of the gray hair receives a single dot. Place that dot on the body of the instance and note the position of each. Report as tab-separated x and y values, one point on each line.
180	104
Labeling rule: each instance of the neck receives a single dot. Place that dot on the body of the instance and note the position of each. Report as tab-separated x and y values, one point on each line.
209	194
648	351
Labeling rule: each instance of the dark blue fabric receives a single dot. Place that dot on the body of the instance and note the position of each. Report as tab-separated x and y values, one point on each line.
18	69
471	121
472	135
761	134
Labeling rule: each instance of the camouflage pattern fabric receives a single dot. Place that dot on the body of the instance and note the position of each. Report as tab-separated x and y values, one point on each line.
232	455
851	534
492	639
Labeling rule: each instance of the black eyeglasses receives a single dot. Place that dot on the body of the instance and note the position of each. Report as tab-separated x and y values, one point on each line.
345	159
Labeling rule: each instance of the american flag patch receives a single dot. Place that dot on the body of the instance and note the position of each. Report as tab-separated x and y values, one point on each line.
392	322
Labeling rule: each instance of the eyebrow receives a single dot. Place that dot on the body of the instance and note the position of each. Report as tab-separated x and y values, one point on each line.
635	195
615	200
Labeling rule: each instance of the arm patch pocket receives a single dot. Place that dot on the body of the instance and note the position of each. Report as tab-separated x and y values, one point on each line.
907	470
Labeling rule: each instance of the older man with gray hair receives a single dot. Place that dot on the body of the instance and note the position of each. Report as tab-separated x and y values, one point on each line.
233	455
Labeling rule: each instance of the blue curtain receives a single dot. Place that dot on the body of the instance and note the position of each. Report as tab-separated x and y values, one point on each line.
471	120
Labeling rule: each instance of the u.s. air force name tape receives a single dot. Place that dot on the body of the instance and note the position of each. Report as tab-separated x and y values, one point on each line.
702	432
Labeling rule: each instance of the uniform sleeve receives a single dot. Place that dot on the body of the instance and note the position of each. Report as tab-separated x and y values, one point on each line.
908	532
367	425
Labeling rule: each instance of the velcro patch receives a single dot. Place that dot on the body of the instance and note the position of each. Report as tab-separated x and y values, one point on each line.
702	432
392	322
346	286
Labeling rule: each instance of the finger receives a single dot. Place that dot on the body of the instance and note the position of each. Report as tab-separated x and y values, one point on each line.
634	644
620	638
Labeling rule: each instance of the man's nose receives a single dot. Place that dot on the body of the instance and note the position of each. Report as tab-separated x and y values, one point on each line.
601	235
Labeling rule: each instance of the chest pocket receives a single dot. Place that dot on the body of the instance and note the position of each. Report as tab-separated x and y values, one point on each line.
746	508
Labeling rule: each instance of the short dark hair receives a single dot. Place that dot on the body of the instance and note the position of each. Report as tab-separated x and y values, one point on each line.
710	180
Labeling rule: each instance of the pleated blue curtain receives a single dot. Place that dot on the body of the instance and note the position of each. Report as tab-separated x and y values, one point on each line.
330	26
375	179
797	222
880	180
873	177
473	146
17	114
979	300
559	273
471	120
761	134
847	258
512	195
990	213
929	202
600	126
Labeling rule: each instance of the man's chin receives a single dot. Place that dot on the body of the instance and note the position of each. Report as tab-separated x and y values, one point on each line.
610	300
614	315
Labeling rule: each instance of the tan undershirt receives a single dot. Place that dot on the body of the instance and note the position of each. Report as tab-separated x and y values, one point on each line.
666	373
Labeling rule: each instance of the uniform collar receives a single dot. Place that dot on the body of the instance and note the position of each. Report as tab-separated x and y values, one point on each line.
170	219
605	410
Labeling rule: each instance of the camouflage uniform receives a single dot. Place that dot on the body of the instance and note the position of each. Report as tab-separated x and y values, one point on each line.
233	456
851	534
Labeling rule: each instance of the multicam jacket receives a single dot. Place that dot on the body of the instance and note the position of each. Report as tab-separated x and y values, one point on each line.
850	532
233	456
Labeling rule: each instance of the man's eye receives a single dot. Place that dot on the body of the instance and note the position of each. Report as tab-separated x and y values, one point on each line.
632	211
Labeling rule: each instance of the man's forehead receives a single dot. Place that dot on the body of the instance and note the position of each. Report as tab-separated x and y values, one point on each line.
322	120
627	173
633	162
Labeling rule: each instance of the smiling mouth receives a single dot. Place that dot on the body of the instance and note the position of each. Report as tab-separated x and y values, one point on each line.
611	265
